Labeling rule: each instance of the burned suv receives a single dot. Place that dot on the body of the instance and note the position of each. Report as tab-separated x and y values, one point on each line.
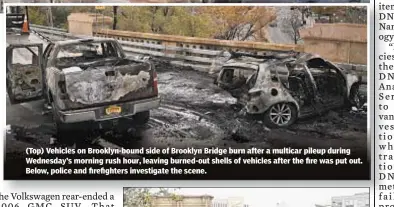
285	87
87	82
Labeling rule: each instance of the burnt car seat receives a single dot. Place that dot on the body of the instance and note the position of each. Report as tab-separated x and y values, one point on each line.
298	85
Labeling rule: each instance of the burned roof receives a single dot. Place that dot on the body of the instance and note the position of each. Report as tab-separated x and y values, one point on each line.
252	61
305	57
270	55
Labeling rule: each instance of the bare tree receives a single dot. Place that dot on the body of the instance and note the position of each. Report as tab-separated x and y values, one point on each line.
142	197
240	23
134	197
305	12
292	24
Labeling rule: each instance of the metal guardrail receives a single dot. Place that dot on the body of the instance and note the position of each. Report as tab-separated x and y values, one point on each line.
53	32
197	56
198	53
45	27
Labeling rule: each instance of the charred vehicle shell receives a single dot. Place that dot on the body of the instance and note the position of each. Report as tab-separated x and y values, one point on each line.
84	81
283	88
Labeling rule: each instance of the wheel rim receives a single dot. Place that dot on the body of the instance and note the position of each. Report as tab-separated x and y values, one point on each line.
280	114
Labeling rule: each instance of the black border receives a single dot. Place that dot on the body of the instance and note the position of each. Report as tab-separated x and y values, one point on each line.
214	172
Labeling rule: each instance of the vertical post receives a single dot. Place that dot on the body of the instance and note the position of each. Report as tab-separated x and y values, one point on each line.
102	23
50	17
95	23
348	52
115	17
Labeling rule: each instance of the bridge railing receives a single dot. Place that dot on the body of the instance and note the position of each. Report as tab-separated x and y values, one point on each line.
35	26
198	53
54	33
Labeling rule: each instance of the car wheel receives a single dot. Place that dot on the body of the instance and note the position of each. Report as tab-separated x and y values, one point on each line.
355	97
141	118
280	115
62	131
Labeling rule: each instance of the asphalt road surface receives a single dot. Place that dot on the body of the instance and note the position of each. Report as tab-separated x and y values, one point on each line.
195	112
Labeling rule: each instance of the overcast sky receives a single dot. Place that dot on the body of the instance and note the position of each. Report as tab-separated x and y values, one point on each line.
269	197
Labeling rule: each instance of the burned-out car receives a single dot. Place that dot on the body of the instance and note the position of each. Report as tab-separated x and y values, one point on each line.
86	82
285	87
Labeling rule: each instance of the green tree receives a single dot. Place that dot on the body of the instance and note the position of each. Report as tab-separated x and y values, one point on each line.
186	21
37	16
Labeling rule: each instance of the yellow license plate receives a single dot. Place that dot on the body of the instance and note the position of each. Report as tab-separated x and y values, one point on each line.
113	110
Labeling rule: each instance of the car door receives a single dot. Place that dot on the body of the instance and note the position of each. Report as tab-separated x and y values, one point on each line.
329	84
45	56
24	74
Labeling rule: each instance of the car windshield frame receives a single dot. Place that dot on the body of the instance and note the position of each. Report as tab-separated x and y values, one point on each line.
82	59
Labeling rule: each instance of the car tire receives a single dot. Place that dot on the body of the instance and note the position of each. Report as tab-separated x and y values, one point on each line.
142	118
63	133
354	96
280	115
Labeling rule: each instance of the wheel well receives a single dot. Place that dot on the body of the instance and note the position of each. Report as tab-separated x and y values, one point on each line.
295	106
291	103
